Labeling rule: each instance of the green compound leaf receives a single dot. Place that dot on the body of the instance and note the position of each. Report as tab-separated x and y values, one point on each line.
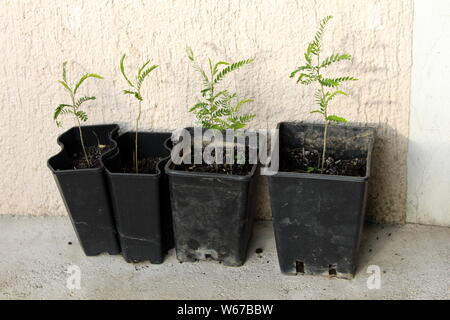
230	68
83	100
122	70
197	106
61	109
336	119
302	68
333	83
142	68
64	73
66	86
144	75
81	115
83	78
190	53
241	103
335	58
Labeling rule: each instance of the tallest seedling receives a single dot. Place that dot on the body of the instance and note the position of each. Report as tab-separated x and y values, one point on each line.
328	88
135	90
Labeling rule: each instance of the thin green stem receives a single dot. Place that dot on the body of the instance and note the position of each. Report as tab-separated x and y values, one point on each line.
325	132
82	142
325	115
211	106
136	138
79	128
211	103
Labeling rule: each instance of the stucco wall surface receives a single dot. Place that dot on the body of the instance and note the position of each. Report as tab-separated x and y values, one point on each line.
37	36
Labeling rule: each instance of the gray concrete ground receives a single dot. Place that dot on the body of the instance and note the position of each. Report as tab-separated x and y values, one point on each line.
35	256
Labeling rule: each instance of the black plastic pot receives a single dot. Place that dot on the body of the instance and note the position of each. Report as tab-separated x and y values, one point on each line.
85	191
141	201
318	219
212	215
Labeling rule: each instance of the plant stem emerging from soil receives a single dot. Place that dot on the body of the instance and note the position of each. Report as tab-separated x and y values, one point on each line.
136	138
135	91
325	133
309	73
325	115
82	143
74	108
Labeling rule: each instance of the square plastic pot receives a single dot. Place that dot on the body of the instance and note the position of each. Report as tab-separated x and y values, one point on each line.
85	191
141	201
212	215
318	219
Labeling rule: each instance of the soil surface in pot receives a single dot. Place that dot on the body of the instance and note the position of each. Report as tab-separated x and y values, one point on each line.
230	169
308	161
93	153
146	165
233	169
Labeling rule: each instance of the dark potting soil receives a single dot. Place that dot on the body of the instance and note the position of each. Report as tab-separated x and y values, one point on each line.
231	169
146	165
234	169
93	153
308	161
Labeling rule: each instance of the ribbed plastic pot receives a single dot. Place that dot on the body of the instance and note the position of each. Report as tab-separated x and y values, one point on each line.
318	219
141	201
85	191
212	215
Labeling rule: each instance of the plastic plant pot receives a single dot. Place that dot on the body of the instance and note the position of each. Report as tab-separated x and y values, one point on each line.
212	214
318	219
141	200
85	191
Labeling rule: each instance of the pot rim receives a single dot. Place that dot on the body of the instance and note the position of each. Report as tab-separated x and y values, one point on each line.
172	172
300	175
115	129
115	152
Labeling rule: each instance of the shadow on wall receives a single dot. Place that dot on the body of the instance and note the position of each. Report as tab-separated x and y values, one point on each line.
386	201
388	184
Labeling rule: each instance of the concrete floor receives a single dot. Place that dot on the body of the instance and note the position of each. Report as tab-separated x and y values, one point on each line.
35	256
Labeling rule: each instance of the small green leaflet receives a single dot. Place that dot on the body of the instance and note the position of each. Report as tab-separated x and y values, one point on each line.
336	119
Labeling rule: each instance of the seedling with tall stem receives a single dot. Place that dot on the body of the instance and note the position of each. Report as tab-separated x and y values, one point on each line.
135	90
74	107
311	73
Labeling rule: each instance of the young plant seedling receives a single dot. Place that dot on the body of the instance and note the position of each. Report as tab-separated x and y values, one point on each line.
74	107
135	90
311	73
219	109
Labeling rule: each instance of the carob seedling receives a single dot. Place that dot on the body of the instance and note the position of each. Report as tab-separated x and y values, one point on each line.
135	90
311	73
74	106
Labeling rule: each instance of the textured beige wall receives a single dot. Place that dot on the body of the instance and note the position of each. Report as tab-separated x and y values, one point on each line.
36	36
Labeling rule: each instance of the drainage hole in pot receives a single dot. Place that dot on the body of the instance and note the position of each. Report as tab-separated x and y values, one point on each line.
300	267
332	270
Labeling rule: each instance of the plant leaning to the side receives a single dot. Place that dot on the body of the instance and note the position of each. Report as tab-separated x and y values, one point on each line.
142	74
219	109
310	73
74	107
